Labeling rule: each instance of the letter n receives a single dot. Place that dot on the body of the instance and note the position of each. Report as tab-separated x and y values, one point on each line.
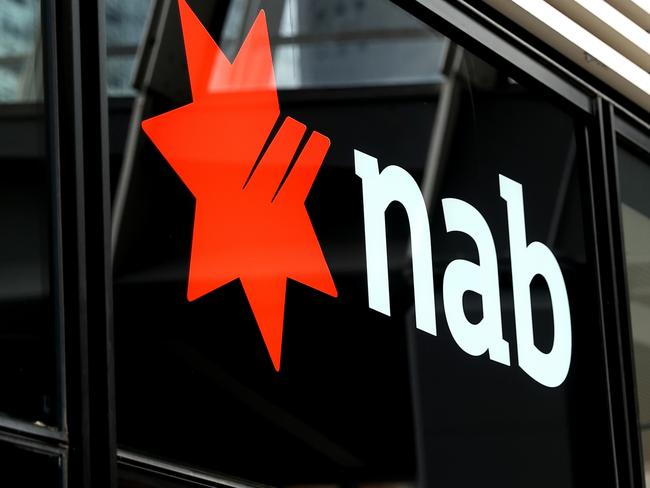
394	184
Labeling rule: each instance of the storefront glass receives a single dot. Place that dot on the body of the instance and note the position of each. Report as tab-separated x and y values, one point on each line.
363	395
28	368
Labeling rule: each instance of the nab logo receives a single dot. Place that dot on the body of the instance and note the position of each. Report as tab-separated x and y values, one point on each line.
250	220
250	171
394	184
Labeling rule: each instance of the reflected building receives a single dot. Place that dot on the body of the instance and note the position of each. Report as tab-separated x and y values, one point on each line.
19	21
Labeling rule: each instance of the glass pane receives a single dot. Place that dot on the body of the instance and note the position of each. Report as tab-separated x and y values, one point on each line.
124	24
28	368
343	43
254	336
635	181
21	74
26	466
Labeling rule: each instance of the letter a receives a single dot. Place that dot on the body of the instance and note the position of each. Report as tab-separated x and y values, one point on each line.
379	190
529	260
483	278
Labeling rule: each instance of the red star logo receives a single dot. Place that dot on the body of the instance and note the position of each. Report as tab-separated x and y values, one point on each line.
250	220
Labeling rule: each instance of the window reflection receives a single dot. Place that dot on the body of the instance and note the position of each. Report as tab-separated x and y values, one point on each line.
317	43
125	20
334	43
20	51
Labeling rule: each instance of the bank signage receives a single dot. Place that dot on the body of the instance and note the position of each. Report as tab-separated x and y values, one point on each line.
250	171
394	184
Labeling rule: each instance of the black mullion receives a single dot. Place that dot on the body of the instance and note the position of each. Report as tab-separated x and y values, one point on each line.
625	347
50	75
70	132
597	228
82	129
98	243
614	301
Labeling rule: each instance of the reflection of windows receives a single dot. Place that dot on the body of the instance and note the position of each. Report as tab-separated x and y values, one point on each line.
317	44
341	43
635	181
125	21
19	68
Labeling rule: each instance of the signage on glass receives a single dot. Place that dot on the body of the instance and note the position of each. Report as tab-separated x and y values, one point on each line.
250	171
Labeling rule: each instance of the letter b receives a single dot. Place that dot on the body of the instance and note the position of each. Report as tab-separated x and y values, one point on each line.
529	260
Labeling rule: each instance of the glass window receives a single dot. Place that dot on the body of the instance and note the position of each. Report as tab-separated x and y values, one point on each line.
341	43
634	165
28	367
352	394
28	466
124	25
20	52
